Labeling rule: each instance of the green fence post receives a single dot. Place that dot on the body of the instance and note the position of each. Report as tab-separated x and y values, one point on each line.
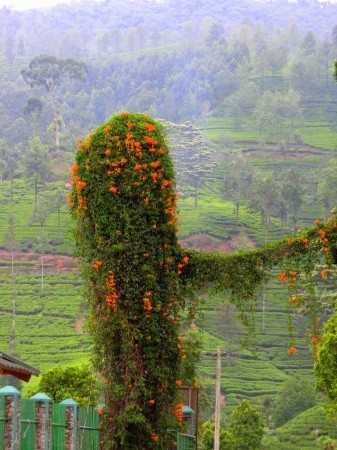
43	405
188	417
186	442
12	417
71	423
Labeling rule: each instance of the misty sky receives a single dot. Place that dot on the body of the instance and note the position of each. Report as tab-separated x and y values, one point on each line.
29	4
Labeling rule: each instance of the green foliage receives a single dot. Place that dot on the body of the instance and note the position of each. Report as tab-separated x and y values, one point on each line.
245	427
50	71
76	382
294	397
36	161
124	201
244	432
325	364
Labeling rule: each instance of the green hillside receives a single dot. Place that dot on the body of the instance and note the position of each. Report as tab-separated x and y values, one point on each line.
311	429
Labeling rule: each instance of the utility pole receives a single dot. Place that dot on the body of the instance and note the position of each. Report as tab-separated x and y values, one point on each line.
217	401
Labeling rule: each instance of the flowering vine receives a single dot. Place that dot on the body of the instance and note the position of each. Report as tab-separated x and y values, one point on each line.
124	201
138	276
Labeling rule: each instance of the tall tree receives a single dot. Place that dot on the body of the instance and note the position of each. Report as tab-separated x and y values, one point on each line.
238	179
265	198
327	187
308	44
292	191
52	74
10	159
36	163
33	109
194	156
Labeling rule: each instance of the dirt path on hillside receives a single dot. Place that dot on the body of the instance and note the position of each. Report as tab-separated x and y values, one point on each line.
207	243
60	263
199	241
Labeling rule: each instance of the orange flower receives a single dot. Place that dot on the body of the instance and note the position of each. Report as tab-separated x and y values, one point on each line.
111	283
154	437
322	234
147	304
111	300
294	300
100	411
317	222
113	189
97	264
150	140
149	127
156	176
165	184
125	114
69	201
324	274
179	412
179	383
74	169
130	125
107	129
292	350
152	402
155	164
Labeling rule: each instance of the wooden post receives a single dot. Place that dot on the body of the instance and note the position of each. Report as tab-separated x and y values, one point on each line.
217	401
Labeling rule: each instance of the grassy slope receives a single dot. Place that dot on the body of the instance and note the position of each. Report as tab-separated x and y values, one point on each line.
309	430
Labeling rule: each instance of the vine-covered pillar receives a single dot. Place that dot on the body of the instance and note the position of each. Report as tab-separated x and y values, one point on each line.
124	201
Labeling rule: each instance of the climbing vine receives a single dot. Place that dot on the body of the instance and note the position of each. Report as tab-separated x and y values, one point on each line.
138	276
124	200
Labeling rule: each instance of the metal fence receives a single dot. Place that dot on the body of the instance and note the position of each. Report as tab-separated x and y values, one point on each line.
27	424
186	442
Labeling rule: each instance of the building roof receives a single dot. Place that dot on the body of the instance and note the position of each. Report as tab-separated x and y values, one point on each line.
9	365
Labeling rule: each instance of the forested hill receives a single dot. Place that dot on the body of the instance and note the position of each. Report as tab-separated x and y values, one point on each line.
80	28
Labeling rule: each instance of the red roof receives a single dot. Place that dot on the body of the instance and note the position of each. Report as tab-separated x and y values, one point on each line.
9	365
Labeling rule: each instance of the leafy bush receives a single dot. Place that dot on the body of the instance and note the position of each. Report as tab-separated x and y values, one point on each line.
76	382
